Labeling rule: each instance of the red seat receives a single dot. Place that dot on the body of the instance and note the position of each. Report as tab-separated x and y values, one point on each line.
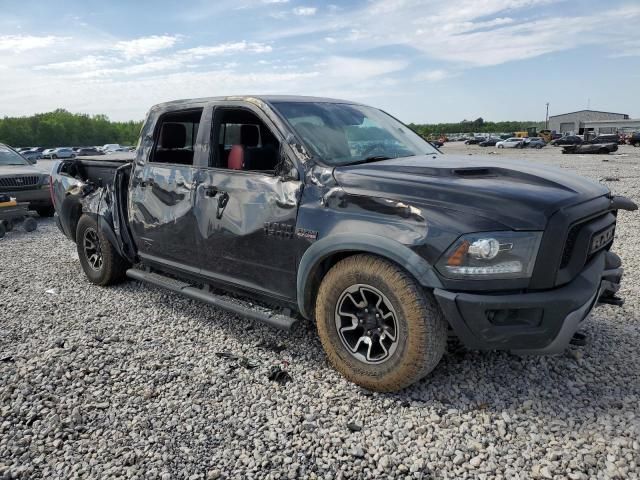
236	158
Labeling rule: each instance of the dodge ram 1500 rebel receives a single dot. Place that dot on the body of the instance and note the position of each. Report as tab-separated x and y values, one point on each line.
337	212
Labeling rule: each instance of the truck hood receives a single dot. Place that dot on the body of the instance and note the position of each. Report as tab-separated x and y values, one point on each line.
17	170
516	194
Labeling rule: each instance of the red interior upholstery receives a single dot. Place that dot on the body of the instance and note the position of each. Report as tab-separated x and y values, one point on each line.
236	157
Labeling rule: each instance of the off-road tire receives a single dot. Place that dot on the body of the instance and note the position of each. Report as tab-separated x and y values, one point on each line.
422	332
114	267
45	211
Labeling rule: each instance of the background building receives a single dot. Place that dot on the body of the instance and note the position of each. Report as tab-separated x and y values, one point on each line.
575	121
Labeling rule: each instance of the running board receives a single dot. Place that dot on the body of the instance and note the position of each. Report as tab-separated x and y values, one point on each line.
277	320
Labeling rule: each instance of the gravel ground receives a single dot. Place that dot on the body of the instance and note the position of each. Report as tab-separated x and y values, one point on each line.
135	382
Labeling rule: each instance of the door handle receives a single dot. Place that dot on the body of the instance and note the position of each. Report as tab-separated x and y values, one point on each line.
223	199
147	182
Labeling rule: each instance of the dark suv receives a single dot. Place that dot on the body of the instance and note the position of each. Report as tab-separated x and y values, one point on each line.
634	139
24	182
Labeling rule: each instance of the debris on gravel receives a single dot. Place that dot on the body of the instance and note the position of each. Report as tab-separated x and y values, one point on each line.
133	381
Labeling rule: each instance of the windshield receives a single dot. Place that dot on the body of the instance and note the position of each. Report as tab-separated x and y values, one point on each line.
9	157
343	134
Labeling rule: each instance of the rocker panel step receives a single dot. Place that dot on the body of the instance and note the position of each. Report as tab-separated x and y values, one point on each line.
274	319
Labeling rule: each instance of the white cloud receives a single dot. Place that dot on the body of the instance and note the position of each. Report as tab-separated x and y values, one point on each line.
145	45
275	1
305	11
347	68
89	62
432	75
225	48
473	32
22	43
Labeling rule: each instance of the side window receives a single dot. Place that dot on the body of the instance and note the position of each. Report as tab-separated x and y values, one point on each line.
244	142
175	137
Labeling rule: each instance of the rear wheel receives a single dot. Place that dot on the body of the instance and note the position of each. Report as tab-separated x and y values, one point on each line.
377	326
99	259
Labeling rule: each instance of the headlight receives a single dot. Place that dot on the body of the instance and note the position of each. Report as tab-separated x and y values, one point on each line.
45	180
491	255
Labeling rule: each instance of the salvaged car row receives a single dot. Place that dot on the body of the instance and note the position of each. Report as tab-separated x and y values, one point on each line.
336	212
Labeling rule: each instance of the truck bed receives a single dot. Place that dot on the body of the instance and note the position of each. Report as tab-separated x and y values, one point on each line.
98	170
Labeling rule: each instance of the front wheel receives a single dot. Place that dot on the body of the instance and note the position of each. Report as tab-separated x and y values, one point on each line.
377	325
99	259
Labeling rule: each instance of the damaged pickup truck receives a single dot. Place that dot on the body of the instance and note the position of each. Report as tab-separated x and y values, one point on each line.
338	213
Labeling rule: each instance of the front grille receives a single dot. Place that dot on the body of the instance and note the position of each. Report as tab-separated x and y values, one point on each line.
584	240
570	244
19	182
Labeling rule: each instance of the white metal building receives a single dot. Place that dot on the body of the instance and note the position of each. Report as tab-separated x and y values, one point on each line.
575	121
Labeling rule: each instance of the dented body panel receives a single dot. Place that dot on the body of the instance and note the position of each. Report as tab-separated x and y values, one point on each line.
274	236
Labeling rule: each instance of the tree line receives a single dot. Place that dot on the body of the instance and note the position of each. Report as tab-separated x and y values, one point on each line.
61	128
478	125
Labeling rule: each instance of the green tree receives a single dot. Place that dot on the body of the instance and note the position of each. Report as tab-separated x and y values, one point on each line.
62	128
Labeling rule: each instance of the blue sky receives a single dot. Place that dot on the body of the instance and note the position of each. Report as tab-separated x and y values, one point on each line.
423	61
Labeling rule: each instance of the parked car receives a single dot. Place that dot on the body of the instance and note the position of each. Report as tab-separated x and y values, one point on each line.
110	147
489	142
586	147
280	209
607	138
61	152
435	143
88	152
474	140
534	142
19	179
566	140
513	142
634	139
31	155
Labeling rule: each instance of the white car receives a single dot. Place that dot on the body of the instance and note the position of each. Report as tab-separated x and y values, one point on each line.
110	147
62	152
513	142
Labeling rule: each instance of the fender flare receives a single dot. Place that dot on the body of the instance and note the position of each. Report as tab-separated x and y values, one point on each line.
106	230
384	247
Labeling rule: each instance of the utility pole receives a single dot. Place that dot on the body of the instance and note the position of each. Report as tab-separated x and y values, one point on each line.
546	119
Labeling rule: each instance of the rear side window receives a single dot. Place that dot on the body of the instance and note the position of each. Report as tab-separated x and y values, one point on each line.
175	137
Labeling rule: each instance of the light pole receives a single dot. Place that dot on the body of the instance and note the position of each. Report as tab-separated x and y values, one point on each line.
546	119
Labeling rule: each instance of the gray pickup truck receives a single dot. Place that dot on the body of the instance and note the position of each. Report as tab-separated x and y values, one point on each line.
336	212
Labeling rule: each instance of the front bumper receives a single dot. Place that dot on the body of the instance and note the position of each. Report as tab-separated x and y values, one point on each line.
541	322
38	196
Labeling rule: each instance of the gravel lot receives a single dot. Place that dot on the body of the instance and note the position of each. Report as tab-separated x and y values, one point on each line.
136	382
